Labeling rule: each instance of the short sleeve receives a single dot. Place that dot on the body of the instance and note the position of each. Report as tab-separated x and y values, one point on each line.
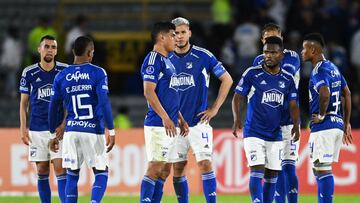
258	60
216	66
320	79
343	82
56	90
102	83
244	85
24	83
151	68
292	91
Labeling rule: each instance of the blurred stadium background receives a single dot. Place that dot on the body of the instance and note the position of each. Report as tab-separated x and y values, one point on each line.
228	28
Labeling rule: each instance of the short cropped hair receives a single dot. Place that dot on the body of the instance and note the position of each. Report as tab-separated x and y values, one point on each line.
270	27
80	45
274	40
316	37
180	21
161	27
48	37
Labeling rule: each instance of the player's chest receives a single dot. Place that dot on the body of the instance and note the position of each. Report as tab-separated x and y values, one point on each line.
265	82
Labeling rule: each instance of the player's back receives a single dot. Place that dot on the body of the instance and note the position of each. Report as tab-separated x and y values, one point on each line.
327	74
79	86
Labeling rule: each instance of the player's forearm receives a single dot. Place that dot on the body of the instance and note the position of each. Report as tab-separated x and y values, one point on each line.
237	103
347	107
324	99
294	112
23	112
154	102
226	82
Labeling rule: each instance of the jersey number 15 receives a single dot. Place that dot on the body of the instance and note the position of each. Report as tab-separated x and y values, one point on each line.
76	103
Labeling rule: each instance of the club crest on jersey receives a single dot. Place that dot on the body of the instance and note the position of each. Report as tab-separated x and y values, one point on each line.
188	65
44	92
273	98
77	76
182	82
282	84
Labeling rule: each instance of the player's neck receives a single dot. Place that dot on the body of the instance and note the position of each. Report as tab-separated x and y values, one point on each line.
81	60
161	50
317	59
272	71
47	66
183	50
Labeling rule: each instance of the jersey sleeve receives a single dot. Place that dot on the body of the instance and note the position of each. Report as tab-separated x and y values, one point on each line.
56	90
343	82
102	83
292	65
292	91
258	60
320	79
55	104
102	91
216	66
244	85
24	83
151	68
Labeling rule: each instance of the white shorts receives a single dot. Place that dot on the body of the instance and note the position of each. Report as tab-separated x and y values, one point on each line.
291	148
261	152
158	145
80	146
39	147
200	139
325	145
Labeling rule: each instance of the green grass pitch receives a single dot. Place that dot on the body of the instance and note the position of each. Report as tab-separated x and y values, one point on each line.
172	199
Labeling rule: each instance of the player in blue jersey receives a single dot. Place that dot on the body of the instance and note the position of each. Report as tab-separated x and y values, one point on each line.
268	88
287	183
160	90
194	66
84	90
35	87
328	126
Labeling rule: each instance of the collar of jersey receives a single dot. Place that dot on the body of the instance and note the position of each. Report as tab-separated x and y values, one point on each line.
262	67
53	68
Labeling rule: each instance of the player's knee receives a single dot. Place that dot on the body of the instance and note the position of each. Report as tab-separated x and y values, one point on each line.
179	168
270	173
205	166
43	167
322	168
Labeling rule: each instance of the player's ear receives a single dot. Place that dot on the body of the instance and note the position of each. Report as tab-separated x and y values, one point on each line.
190	33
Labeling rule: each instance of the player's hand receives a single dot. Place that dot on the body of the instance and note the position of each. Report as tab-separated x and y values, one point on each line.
25	136
169	127
236	127
347	137
295	132
60	132
315	118
207	115
184	127
110	143
54	144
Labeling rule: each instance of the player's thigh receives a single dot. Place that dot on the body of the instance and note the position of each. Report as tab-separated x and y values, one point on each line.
180	150
158	145
39	146
325	145
201	141
71	153
93	148
273	155
254	151
291	148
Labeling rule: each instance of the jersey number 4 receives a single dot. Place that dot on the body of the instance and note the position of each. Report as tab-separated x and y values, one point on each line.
77	105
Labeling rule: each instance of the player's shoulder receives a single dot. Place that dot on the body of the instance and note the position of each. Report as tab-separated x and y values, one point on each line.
253	70
30	69
287	75
60	65
291	54
152	58
258	60
201	52
97	69
291	59
323	67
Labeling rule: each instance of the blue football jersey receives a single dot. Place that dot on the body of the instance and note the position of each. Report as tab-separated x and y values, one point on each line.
291	64
327	74
38	83
267	95
193	76
79	86
159	69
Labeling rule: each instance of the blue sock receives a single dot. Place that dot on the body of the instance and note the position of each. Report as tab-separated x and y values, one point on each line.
255	185
292	184
181	189
209	186
71	189
99	186
44	188
318	190
280	192
158	191
269	189
147	190
61	181
326	183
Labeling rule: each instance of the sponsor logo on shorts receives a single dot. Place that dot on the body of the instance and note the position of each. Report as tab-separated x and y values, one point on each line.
69	160
327	155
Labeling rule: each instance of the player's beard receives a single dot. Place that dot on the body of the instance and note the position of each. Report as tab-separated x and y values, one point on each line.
183	46
48	59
